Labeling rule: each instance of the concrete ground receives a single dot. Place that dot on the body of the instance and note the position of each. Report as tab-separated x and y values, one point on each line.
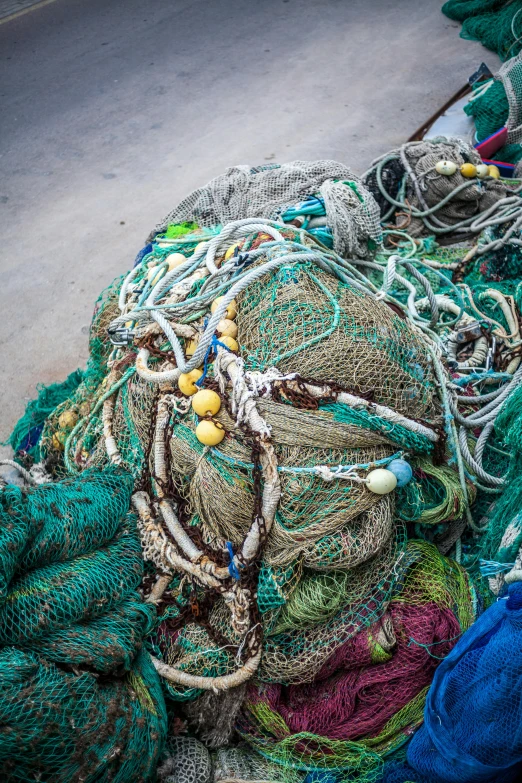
111	111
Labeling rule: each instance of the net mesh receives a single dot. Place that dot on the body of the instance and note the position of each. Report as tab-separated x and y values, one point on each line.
78	698
60	726
268	191
350	596
476	686
495	23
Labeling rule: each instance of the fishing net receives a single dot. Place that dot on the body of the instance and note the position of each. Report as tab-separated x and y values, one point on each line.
489	108
324	724
61	726
70	612
429	203
268	191
27	431
495	23
187	760
297	318
299	600
471	726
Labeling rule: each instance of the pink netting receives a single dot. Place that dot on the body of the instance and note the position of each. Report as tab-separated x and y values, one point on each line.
353	696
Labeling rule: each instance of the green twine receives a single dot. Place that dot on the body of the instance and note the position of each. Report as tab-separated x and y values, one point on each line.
394	432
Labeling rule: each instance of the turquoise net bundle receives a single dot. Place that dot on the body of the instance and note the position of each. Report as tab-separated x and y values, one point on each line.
79	697
497	24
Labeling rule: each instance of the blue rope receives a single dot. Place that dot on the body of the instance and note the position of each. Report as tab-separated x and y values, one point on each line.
492	568
212	347
232	568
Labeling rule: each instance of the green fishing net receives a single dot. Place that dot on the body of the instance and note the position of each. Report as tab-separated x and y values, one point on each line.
58	725
78	700
489	108
497	24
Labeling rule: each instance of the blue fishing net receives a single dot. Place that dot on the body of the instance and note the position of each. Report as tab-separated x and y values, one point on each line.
472	728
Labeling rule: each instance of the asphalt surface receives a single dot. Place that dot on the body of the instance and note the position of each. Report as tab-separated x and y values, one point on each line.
111	112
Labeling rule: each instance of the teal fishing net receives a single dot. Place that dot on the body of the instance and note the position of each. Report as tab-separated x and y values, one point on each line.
79	698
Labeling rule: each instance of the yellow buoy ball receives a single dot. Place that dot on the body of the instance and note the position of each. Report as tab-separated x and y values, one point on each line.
67	420
190	347
200	246
154	275
206	402
227	328
210	433
231	310
175	259
232	344
482	170
494	172
58	440
446	167
468	170
231	250
381	481
187	382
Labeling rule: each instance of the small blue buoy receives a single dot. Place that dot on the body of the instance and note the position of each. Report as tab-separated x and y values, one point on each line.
401	470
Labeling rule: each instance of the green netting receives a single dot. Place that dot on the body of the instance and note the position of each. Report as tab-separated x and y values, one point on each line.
274	585
489	109
59	594
71	518
503	265
71	563
394	431
495	23
462	9
59	726
28	428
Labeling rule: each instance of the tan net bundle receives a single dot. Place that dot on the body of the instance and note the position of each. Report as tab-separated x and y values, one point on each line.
424	201
304	319
267	191
319	523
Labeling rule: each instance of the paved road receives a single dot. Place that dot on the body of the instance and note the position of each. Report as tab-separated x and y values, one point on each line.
110	112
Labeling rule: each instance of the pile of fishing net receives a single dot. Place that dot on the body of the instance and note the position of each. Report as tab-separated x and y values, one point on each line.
79	697
419	200
497	24
308	384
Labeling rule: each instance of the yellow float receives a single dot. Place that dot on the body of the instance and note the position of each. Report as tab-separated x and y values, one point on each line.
206	402
231	310
67	420
468	170
187	382
230	343
227	328
210	433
